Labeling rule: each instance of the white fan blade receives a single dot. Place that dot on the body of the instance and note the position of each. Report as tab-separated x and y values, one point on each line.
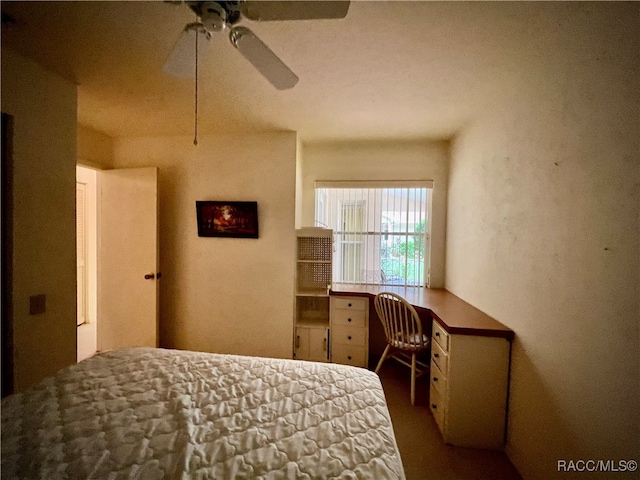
261	57
294	10
181	62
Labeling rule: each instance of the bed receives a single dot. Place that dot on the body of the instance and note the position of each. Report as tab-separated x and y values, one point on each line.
145	413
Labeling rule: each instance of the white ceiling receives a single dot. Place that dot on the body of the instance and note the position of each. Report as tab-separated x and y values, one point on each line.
389	70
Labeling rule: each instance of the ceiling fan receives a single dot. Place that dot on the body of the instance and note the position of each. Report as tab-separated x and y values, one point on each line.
217	16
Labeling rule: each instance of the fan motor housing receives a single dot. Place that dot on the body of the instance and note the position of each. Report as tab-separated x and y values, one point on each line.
215	16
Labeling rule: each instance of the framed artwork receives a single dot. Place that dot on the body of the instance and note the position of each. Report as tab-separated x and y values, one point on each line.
227	219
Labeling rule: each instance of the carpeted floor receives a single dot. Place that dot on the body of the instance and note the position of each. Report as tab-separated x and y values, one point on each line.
424	454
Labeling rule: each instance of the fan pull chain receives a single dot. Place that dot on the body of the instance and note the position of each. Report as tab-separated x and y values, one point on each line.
195	126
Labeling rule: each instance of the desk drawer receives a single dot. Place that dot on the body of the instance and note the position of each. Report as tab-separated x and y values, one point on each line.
438	380
349	355
436	405
440	336
440	358
349	318
350	303
348	335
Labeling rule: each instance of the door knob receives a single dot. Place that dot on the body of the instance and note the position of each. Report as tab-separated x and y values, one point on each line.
149	276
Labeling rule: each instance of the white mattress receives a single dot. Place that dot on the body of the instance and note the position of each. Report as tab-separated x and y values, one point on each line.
147	413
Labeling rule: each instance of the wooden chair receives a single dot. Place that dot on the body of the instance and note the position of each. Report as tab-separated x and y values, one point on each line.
403	331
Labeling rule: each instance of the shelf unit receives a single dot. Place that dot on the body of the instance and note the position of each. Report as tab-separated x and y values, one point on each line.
314	253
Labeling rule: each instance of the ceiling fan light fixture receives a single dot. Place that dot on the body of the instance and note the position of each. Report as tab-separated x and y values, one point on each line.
215	16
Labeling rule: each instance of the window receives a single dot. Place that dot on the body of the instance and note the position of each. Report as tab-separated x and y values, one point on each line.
381	230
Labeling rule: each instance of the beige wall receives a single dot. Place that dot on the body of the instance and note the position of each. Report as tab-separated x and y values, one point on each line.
542	229
44	255
95	149
223	295
382	160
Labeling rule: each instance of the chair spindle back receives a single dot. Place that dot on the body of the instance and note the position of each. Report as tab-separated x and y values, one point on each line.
402	326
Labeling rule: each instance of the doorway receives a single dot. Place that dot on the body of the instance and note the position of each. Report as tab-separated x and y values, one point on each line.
86	262
7	255
117	259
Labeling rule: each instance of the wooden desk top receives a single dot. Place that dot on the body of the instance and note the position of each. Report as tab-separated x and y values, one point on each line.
455	315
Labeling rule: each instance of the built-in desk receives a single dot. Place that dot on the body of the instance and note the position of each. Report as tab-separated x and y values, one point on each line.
454	315
470	353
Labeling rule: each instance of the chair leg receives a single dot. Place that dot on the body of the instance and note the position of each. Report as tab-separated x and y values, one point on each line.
413	379
384	355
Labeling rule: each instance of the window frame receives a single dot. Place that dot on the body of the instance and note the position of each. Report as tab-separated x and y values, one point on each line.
366	277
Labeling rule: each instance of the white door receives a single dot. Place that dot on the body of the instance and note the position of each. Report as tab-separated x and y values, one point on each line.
128	259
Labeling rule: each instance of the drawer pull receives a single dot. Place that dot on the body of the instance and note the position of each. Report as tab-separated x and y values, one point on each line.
349	357
435	355
434	406
435	379
437	334
349	304
349	337
348	319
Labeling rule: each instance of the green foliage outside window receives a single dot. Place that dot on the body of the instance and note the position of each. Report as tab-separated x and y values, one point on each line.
404	258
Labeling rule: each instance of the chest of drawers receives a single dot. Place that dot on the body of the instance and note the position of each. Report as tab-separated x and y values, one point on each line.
468	391
349	330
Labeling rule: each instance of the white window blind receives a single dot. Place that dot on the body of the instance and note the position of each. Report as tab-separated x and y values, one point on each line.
381	230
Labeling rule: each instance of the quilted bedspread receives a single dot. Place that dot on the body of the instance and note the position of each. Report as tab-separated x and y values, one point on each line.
145	413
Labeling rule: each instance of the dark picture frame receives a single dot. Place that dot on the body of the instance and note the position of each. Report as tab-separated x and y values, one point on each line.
227	219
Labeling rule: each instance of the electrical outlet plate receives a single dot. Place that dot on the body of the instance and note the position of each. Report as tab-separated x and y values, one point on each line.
37	304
